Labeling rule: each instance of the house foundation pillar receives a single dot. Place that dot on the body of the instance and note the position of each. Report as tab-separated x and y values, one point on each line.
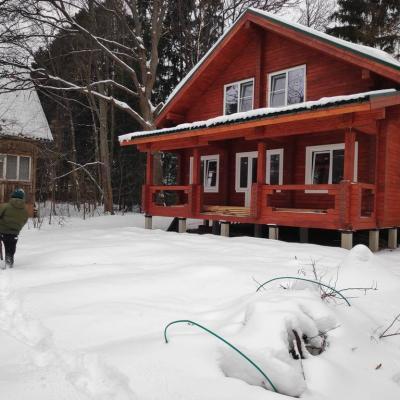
258	230
181	225
392	238
148	222
346	240
225	228
374	240
215	229
273	232
303	235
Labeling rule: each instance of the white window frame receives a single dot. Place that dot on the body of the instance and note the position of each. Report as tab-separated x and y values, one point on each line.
270	153
4	176
206	188
286	71
326	148
238	83
251	155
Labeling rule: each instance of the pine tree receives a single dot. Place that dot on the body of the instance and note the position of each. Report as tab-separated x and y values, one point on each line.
374	23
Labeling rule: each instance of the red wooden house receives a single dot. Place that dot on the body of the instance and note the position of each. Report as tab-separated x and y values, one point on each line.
282	125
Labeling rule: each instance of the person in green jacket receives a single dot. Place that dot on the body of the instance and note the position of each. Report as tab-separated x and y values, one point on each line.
13	217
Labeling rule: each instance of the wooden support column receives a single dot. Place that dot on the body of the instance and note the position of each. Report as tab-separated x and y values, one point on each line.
349	152
261	163
149	168
196	166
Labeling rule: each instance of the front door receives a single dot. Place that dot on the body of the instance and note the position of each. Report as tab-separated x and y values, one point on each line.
246	174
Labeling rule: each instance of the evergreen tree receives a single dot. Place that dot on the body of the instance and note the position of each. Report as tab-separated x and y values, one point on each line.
374	23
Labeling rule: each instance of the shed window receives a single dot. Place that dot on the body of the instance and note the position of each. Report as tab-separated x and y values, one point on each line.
15	168
287	87
238	96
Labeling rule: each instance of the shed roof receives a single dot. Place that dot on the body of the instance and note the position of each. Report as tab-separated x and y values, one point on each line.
21	115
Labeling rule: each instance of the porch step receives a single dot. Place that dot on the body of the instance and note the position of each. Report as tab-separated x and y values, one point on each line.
227	210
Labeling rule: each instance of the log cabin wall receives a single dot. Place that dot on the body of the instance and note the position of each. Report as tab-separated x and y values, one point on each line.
388	204
326	76
19	148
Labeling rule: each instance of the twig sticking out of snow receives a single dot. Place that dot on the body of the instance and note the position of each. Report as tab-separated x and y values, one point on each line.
385	332
305	280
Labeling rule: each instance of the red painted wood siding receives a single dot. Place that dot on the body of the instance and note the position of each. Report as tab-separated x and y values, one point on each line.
326	75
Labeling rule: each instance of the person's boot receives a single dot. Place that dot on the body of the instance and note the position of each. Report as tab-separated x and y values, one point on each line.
9	261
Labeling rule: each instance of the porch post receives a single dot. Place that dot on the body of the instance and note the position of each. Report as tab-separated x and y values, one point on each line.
146	200
149	168
349	150
196	166
261	167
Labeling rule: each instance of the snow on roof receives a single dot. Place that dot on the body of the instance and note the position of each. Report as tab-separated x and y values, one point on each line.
377	54
21	114
366	51
261	113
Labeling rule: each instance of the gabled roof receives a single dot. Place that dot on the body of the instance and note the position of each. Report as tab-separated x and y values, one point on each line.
21	115
374	59
263	114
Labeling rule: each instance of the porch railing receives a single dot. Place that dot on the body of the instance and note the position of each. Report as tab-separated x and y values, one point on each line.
168	200
341	206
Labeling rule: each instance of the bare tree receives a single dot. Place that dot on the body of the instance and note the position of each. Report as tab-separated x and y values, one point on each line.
316	13
132	48
234	8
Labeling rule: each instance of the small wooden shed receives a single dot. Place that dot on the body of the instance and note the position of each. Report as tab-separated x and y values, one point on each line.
23	128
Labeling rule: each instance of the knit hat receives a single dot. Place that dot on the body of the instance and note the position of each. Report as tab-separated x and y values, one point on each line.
18	194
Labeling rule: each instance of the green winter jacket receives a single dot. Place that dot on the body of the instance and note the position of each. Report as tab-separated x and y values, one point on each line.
13	216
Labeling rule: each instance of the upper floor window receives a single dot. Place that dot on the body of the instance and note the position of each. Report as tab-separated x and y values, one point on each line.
238	96
16	168
287	87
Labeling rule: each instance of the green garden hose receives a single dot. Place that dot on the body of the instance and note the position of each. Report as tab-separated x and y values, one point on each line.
223	340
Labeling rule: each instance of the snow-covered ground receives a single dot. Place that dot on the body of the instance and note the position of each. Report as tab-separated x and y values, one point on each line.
82	316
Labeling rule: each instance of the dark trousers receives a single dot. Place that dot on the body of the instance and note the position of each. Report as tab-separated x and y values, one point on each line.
10	245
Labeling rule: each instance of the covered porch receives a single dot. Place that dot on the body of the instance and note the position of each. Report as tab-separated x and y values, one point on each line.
311	167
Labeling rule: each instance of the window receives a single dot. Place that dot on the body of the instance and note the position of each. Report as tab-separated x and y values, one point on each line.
238	96
325	164
274	167
209	172
287	87
16	168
